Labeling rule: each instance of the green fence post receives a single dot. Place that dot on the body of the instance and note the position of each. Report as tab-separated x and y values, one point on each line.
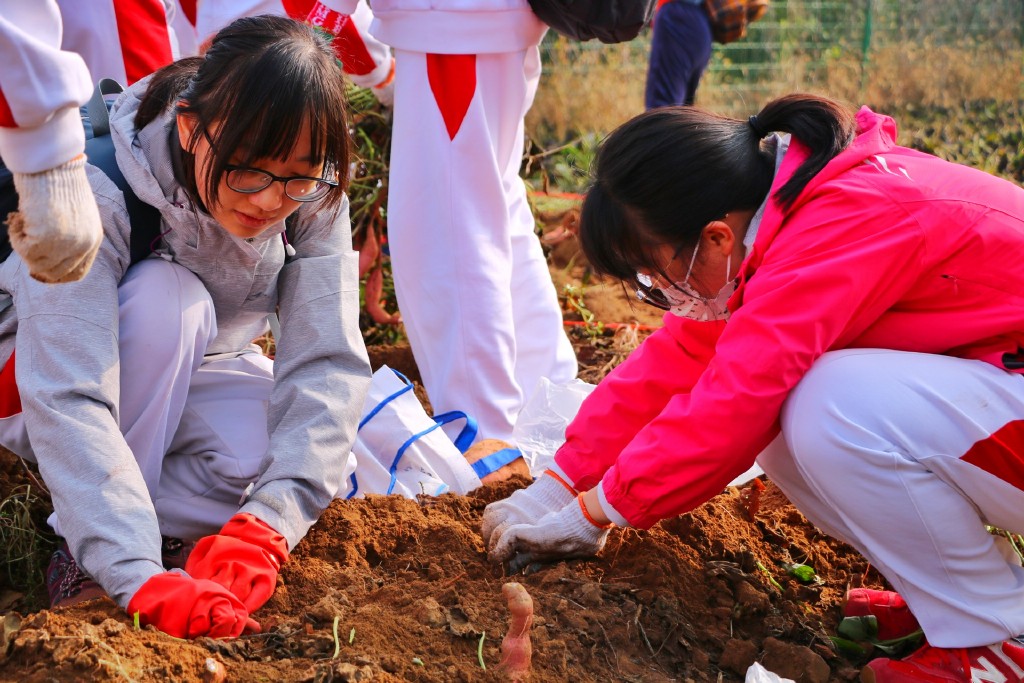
866	45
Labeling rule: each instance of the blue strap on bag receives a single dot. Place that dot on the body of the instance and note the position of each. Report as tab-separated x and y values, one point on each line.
462	442
495	461
487	464
465	438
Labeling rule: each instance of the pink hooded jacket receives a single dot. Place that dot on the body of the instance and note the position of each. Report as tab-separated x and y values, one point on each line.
886	248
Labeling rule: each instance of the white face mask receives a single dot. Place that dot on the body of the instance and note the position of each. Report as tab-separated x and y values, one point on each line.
683	300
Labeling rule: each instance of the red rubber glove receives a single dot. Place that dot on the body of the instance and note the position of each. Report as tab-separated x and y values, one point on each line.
244	557
185	607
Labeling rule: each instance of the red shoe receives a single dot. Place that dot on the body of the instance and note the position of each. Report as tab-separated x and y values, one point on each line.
999	662
894	617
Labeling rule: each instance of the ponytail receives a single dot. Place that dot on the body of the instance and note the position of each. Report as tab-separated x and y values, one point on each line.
822	125
164	89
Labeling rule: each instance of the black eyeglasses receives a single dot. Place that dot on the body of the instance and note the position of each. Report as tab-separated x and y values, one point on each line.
298	188
649	294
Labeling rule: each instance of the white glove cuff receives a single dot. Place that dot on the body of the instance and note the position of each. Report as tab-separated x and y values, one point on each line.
65	185
551	492
578	526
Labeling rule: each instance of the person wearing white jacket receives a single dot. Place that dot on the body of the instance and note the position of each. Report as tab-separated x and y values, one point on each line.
53	52
473	287
57	228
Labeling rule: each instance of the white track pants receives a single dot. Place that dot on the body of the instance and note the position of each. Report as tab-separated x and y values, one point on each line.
480	311
894	453
197	426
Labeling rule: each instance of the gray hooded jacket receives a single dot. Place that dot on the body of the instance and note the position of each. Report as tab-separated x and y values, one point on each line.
68	373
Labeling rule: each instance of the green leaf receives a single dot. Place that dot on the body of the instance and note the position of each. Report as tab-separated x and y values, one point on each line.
847	647
898	647
803	573
859	629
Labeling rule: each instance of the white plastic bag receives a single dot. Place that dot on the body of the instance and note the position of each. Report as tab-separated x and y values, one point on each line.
540	427
758	674
400	449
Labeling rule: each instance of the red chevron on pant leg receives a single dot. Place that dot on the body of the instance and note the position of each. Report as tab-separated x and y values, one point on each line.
6	117
10	399
452	79
1001	454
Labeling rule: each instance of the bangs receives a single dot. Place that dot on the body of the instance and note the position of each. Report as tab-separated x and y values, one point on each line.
612	238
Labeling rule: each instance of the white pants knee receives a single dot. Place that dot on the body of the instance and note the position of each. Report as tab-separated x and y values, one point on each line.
877	449
476	297
197	426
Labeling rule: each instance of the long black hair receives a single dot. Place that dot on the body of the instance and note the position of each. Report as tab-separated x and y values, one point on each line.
261	79
665	174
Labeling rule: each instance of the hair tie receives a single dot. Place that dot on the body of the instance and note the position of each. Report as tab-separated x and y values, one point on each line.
754	126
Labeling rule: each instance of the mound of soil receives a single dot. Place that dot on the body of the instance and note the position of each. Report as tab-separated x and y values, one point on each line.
390	589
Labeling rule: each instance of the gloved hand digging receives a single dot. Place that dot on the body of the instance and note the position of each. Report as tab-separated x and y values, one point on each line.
56	229
244	557
569	532
185	607
548	493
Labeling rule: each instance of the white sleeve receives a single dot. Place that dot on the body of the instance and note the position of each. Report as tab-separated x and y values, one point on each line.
41	88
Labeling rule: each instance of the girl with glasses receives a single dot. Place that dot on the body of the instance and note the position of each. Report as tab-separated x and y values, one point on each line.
155	422
844	310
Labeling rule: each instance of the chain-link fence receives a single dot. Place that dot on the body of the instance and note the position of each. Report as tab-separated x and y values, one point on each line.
880	52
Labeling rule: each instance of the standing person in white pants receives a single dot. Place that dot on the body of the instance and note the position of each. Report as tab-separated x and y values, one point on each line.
474	291
155	421
846	311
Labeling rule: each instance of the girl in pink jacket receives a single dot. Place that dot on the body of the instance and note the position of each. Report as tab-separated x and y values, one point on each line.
847	311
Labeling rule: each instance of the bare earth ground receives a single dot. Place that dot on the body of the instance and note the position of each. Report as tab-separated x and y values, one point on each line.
389	589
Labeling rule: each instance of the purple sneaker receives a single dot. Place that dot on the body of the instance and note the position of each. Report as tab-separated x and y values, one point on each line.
66	583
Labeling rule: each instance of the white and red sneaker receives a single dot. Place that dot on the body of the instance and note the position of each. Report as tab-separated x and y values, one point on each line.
889	609
999	663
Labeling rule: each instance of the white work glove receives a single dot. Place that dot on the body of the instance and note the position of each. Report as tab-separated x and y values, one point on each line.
547	494
558	535
56	229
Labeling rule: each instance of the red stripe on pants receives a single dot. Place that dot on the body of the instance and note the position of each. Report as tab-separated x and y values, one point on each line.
6	117
1001	454
145	41
10	399
452	79
188	8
